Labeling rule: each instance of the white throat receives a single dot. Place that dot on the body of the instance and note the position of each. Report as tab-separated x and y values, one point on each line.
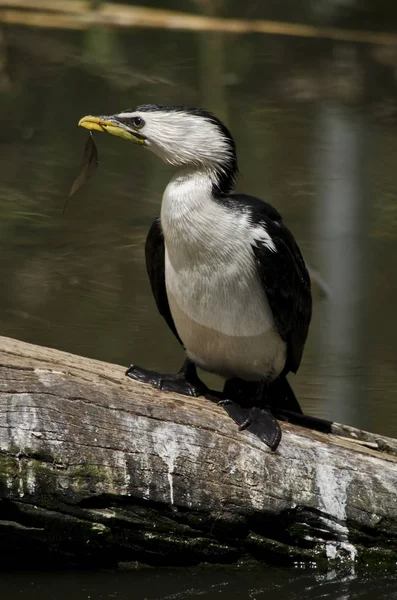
186	205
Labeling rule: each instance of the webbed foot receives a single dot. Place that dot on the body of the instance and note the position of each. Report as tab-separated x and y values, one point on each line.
185	382
256	420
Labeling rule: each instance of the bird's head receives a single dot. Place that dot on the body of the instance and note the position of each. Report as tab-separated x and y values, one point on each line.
183	137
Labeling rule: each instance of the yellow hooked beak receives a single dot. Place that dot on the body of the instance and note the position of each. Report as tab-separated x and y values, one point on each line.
111	125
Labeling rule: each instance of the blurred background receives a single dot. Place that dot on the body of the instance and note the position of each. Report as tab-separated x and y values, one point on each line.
314	114
313	109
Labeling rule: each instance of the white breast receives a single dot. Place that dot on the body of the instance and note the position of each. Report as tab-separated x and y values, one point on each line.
216	299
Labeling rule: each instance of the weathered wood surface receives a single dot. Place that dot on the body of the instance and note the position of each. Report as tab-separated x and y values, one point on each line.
97	469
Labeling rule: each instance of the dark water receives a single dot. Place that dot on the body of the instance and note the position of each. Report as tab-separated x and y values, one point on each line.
315	124
208	584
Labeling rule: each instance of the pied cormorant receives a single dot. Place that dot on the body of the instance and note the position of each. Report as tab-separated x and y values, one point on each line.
226	273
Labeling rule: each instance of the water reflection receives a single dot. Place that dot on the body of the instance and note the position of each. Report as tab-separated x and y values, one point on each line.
323	154
208	584
342	218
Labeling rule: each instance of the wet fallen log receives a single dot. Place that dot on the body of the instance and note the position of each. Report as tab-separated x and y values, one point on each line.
98	470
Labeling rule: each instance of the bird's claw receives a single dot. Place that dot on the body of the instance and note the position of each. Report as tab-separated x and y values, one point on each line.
245	424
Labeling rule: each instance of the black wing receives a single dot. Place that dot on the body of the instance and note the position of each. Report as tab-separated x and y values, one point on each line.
155	264
284	276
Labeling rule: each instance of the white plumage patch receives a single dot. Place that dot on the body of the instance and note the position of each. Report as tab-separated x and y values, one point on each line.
260	234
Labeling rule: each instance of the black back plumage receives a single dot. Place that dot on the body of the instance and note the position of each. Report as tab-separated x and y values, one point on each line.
155	264
284	277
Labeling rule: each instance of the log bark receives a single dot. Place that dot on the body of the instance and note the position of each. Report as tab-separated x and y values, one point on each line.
98	470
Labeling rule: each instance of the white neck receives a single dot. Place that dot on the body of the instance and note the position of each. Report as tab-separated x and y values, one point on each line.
187	202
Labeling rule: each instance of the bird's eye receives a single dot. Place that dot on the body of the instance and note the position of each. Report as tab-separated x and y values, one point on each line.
137	122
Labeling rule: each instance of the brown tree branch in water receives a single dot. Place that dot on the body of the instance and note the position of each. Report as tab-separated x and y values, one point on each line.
77	14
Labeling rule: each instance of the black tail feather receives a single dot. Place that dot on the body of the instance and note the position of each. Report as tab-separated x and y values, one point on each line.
280	396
